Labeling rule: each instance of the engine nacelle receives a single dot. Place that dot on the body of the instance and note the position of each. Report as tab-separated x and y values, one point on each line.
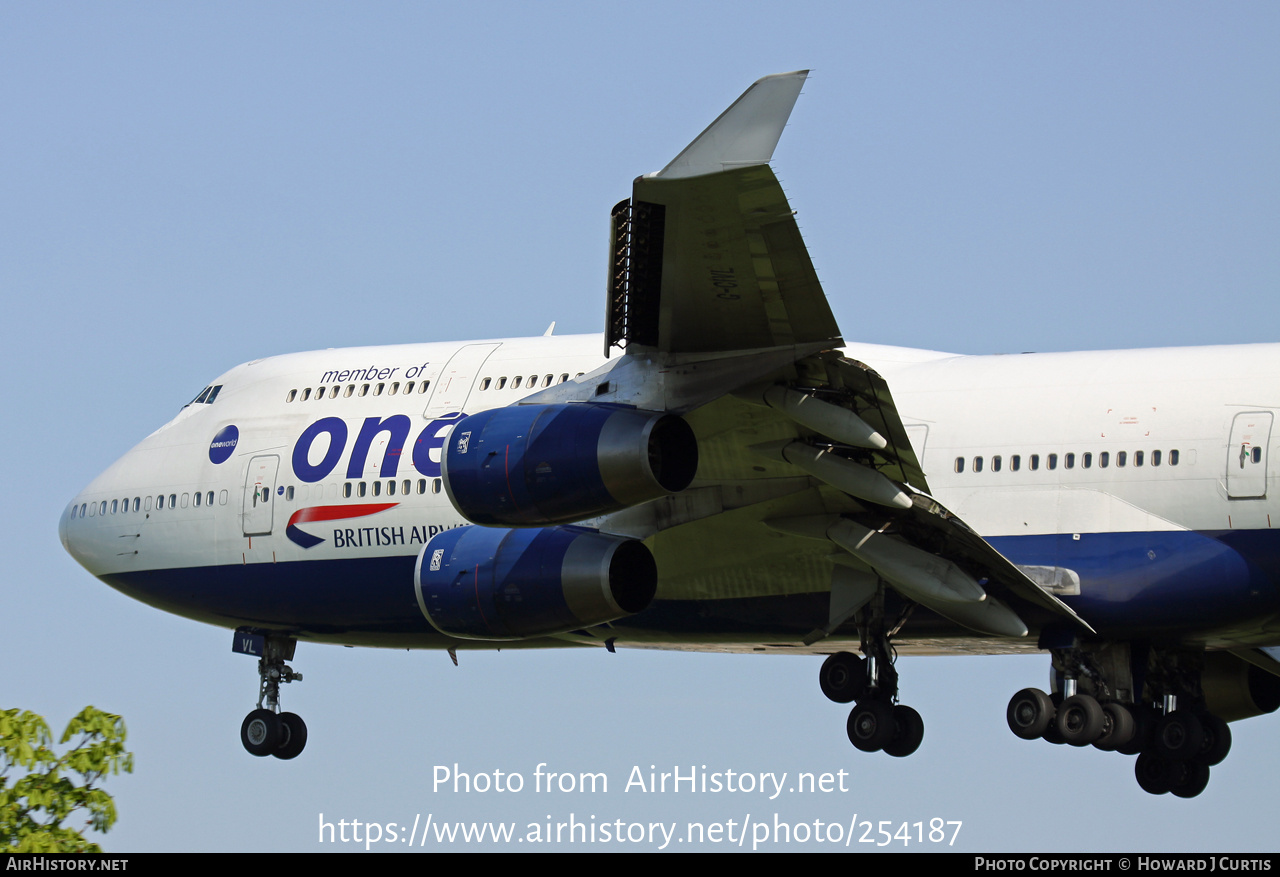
531	465
494	584
1234	689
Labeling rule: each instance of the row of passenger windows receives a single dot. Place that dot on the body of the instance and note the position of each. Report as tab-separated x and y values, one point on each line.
146	504
365	390
391	388
390	487
1086	459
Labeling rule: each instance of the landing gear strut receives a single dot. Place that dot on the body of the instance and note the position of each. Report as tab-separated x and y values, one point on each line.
266	730
876	722
1153	708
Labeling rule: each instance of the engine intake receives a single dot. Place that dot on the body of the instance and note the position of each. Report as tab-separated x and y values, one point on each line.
496	584
532	465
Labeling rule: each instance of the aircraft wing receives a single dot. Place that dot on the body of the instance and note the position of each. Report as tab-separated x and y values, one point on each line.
706	255
807	480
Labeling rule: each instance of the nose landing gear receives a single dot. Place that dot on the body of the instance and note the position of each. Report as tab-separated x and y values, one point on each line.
266	730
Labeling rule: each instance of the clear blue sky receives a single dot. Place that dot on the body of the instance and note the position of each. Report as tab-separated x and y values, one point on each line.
186	187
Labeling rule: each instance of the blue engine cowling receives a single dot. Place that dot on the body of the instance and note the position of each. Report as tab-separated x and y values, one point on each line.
495	584
531	465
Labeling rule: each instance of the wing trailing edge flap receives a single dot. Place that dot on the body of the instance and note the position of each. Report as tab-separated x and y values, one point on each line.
901	532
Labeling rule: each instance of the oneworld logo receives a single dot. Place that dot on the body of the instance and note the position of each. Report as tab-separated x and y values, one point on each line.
224	444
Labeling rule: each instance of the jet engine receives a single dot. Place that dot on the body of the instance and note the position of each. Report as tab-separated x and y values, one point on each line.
532	465
1235	689
496	584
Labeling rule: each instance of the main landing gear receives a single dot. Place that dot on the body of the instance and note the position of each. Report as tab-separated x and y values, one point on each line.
1168	727
877	722
266	730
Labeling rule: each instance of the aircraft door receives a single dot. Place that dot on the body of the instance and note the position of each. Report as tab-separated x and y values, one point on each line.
452	386
259	494
1247	455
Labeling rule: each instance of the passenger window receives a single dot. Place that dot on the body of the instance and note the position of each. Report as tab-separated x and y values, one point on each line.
319	393
1015	462
515	382
422	388
222	497
1086	460
422	485
364	389
377	391
173	499
404	487
408	388
306	394
293	394
200	496
360	489
1104	459
137	502
1137	458
377	488
333	392
995	463
114	505
186	500
1173	458
564	377
484	384
435	485
502	382
546	382
288	494
1069	462
159	502
1035	462
346	394
346	490
1257	455
395	388
959	464
533	381
208	500
93	510
1121	458
977	464
391	488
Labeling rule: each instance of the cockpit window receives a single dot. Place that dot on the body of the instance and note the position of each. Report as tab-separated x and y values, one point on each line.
206	397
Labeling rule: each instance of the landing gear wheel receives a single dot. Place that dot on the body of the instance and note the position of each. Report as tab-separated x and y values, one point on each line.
1051	733
908	732
1118	730
871	725
293	736
1080	720
843	677
1179	736
1194	779
260	732
1217	742
1144	726
1155	774
1030	713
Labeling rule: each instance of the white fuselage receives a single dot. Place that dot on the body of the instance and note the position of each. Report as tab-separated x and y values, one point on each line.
1028	449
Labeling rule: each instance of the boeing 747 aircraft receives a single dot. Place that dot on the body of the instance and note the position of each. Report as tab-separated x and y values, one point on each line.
721	471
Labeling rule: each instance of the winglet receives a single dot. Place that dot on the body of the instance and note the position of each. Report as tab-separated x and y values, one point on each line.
745	134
